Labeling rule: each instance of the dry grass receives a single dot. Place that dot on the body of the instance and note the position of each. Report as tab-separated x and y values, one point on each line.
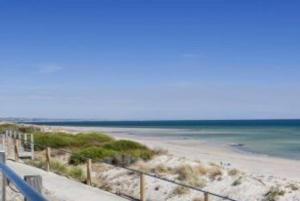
160	169
293	187
179	190
202	170
273	194
190	175
214	172
233	172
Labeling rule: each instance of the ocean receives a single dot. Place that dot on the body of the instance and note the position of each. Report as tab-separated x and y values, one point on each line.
279	138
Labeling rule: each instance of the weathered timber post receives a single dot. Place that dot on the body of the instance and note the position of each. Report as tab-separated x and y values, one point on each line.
34	181
32	146
48	158
25	139
89	172
16	145
142	187
25	145
3	142
205	196
4	182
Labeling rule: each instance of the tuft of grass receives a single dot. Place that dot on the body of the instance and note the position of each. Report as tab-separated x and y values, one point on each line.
237	182
58	167
214	172
273	194
76	173
293	187
37	163
233	172
180	190
189	175
159	169
202	170
94	153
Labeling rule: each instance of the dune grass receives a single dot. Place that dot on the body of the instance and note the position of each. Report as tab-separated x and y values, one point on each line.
58	167
21	128
115	151
94	145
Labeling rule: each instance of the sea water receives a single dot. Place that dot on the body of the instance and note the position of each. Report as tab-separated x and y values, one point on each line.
279	138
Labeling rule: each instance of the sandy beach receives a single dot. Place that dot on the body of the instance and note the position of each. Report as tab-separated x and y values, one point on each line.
220	154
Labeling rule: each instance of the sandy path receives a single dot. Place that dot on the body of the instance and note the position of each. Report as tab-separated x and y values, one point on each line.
65	189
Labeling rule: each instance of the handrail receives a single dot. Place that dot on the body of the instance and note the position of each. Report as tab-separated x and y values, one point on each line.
28	192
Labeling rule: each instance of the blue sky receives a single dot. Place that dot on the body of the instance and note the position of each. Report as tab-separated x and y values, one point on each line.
150	59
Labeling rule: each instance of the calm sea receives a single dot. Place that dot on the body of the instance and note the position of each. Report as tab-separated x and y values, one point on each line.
279	138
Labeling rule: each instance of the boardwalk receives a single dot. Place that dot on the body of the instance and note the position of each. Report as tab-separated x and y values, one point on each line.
64	189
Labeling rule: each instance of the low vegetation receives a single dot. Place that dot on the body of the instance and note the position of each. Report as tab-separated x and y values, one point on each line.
58	167
179	190
21	128
94	145
237	182
190	175
273	194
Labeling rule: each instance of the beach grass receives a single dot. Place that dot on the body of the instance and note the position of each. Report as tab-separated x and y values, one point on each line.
93	145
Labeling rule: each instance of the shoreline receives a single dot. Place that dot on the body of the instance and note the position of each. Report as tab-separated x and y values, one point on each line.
227	156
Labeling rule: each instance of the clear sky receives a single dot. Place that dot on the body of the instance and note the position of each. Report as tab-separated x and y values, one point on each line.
159	59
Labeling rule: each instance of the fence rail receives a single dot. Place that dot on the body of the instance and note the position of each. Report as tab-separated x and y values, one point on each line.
24	188
206	194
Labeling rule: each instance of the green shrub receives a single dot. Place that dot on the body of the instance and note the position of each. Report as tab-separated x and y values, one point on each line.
58	167
63	140
94	153
130	150
53	140
91	139
124	145
145	154
76	173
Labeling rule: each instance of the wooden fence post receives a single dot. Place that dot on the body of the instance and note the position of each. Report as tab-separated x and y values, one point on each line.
16	143
32	146
3	143
142	187
48	158
89	172
25	139
34	181
205	196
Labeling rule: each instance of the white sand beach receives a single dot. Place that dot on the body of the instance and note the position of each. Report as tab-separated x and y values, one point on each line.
219	169
199	150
